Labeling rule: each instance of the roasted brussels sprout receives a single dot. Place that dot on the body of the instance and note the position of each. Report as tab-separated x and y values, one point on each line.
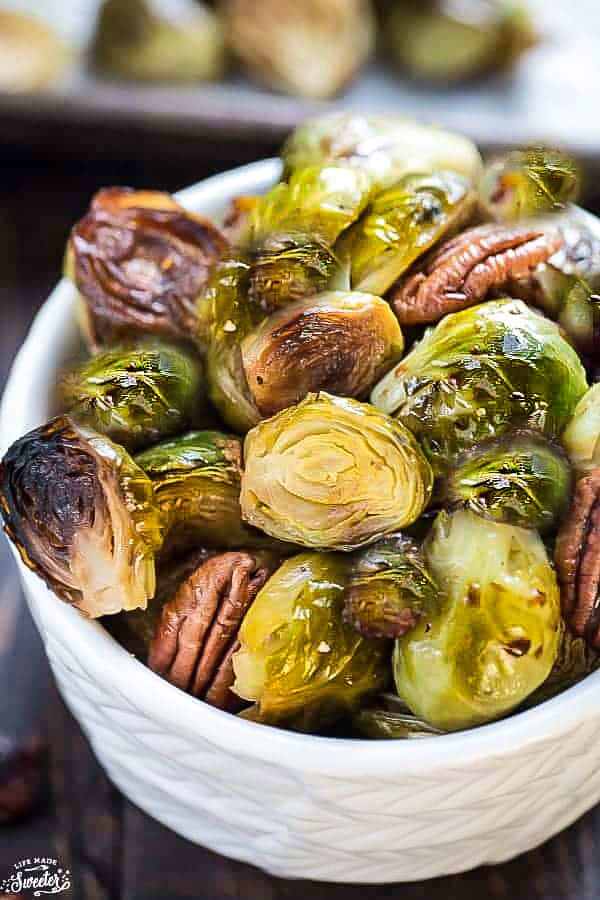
519	479
139	261
479	374
575	660
196	481
311	48
581	437
136	395
384	147
332	473
402	223
32	56
298	661
338	342
494	638
527	183
390	719
82	516
146	41
389	588
445	41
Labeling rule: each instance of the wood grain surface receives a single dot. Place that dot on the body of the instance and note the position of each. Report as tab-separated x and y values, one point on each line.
113	850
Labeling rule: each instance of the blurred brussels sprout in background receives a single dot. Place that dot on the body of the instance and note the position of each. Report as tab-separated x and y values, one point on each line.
400	224
82	516
298	661
310	48
385	147
389	588
139	261
445	41
480	373
135	395
518	479
388	718
526	183
581	437
149	41
32	56
495	637
339	342
332	473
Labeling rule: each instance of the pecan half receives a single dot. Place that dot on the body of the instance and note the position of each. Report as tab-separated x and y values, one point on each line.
577	559
465	269
197	635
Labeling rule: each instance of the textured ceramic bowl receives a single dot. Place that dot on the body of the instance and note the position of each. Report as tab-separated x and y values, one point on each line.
296	805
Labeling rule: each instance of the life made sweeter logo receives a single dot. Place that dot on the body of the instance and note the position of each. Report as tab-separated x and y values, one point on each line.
36	877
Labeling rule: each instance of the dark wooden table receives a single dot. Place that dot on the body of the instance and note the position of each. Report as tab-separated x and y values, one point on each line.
113	850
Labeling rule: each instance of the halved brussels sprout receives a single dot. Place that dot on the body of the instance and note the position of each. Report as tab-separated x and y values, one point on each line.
581	437
527	183
519	479
385	147
311	50
196	481
332	473
298	661
579	316
495	637
135	395
139	261
149	41
400	224
82	516
390	719
480	373
389	588
338	342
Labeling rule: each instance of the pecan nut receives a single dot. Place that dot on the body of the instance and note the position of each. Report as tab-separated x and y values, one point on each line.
577	559
197	635
465	269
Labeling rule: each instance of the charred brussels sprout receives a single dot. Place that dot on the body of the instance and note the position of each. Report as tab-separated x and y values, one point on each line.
402	223
139	261
309	49
480	373
298	661
389	588
519	479
82	515
495	637
337	342
581	437
439	40
384	147
332	473
136	396
289	267
527	183
136	39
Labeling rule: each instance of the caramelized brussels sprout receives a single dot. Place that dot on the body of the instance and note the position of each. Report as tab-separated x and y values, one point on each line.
479	374
146	41
298	661
526	183
385	147
196	481
390	719
389	588
519	479
444	41
82	516
136	395
308	49
139	261
332	473
290	267
32	56
402	223
495	637
338	342
581	437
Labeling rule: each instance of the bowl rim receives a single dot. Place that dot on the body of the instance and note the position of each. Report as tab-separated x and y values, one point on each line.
180	713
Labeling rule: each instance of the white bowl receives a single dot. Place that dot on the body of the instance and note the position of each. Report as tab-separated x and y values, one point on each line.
295	805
